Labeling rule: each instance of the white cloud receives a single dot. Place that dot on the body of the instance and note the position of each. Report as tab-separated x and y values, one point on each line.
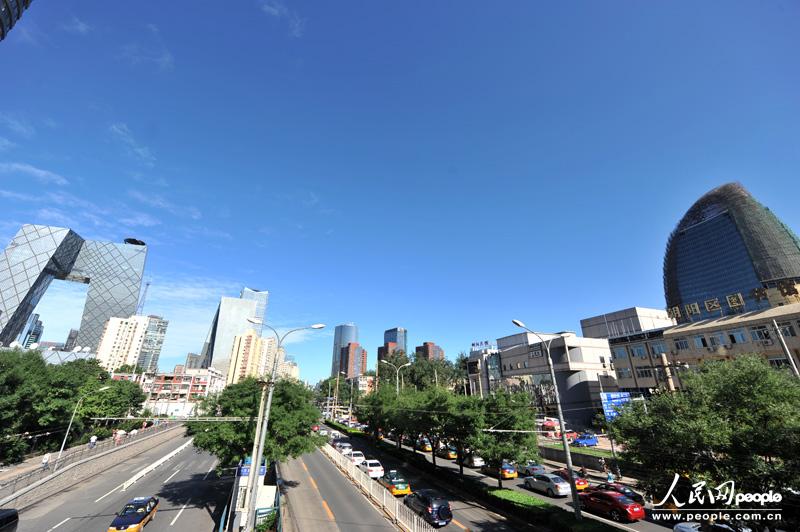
123	133
278	10
139	219
6	144
160	202
43	176
59	218
154	52
78	26
21	127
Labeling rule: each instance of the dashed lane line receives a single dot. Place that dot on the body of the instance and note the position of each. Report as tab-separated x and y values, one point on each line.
59	524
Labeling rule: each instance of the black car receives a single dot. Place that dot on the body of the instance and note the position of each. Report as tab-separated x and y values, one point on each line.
9	518
432	506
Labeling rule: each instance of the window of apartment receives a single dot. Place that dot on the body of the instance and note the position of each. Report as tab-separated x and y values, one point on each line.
656	348
519	365
737	336
787	329
504	367
778	362
644	373
525	364
638	350
620	352
624	373
700	341
715	339
681	344
759	332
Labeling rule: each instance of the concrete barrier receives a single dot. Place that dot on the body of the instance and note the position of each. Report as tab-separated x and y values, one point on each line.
128	483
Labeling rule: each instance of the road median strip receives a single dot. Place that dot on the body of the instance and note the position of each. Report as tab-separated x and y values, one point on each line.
127	484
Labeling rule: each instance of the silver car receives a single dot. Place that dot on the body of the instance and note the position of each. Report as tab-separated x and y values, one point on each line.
553	485
531	468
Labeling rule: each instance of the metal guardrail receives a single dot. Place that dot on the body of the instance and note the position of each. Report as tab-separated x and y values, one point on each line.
10	486
401	514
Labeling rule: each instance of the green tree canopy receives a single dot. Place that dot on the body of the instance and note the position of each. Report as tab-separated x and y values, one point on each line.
734	420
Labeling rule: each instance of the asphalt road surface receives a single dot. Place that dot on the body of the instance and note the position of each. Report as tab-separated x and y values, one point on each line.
321	498
190	493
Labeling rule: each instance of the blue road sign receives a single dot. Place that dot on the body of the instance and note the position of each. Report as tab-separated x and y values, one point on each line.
244	471
612	401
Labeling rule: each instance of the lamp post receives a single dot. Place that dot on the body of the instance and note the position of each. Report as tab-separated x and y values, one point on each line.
575	500
336	396
63	443
396	373
262	426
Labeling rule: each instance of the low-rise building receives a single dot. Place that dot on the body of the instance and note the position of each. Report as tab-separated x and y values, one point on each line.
178	392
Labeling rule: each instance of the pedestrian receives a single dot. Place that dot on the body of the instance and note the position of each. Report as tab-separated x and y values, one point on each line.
603	463
583	471
609	477
46	462
92	441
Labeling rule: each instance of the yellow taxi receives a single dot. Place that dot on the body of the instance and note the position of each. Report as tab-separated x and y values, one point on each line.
395	483
137	512
447	452
424	445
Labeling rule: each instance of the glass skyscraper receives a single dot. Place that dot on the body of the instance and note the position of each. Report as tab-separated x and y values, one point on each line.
261	297
231	319
347	333
38	254
729	254
398	336
10	12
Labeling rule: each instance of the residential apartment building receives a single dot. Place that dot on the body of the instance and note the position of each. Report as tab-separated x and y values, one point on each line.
177	393
247	357
124	340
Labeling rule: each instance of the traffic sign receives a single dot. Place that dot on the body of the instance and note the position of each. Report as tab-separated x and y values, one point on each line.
612	401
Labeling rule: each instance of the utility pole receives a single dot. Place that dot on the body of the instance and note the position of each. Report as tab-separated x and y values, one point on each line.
785	348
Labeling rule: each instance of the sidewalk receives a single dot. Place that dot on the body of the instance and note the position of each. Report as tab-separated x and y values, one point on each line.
594	475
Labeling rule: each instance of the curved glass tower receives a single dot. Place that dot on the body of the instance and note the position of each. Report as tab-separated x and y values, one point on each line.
10	12
346	333
729	254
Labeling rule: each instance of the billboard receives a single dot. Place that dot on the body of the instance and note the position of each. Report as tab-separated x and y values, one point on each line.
612	401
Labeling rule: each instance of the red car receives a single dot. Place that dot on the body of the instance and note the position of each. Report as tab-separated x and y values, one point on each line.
314	428
580	482
616	505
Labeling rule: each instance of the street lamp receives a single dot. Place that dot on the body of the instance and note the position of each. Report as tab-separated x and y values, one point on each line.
336	396
261	426
396	373
575	501
63	443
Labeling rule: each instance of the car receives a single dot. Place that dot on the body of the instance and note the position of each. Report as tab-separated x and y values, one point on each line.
323	432
619	488
432	506
585	440
553	485
356	457
451	453
580	482
314	428
473	460
335	434
343	447
505	471
424	444
371	467
135	515
9	519
617	506
531	468
395	483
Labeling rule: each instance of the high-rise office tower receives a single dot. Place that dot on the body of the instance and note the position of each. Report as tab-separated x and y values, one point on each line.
72	340
729	254
234	316
35	335
39	253
429	350
27	329
353	360
10	13
261	297
151	345
193	361
344	334
398	336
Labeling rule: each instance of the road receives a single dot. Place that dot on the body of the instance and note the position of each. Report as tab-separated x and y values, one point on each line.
563	502
321	498
191	495
468	514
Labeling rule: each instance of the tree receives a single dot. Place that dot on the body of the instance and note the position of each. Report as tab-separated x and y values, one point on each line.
733	420
128	368
464	425
289	432
511	412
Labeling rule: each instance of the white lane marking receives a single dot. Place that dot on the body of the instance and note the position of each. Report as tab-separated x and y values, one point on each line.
179	513
209	470
59	524
172	475
109	493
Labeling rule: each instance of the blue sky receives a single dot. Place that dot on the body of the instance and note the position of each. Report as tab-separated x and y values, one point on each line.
442	166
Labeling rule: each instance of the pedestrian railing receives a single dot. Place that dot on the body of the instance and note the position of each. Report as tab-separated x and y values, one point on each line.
401	514
12	485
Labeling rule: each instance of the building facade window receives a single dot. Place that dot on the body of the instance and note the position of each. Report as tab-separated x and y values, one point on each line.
681	344
715	339
737	336
700	341
620	352
778	362
759	332
638	351
644	373
787	329
658	347
624	373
